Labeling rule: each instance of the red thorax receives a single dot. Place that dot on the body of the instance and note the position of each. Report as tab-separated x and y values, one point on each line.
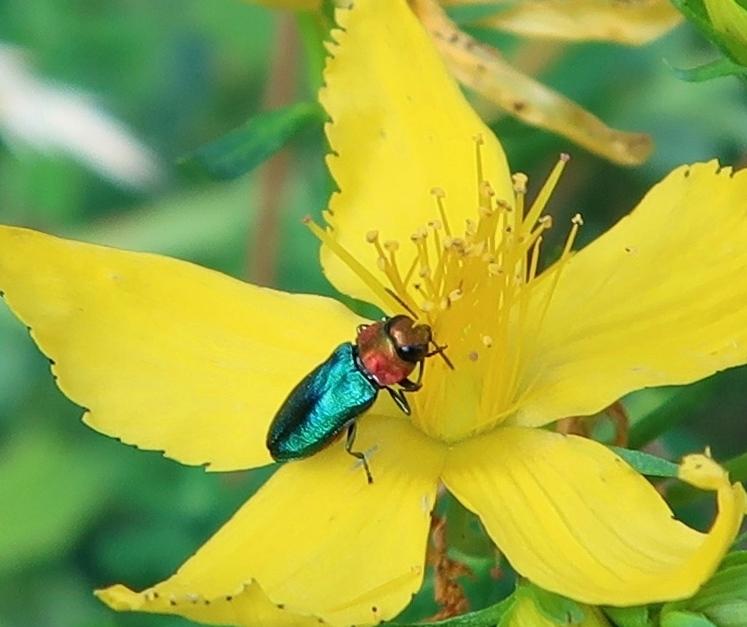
378	355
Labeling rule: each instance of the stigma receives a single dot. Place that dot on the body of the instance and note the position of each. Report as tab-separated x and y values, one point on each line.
475	284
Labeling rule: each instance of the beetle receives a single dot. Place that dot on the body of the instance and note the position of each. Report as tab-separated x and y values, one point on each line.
333	396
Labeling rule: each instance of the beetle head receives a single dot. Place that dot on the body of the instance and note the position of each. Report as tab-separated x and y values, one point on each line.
411	341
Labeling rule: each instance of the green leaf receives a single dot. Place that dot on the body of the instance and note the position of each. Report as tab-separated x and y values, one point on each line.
715	69
464	531
555	607
722	600
737	467
685	619
629	616
696	12
671	408
245	147
647	464
488	617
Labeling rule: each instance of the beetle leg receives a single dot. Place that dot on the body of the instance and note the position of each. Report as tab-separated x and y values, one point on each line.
414	386
349	441
399	398
421	369
410	386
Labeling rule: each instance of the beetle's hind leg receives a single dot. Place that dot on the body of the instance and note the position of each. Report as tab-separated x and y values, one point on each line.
349	441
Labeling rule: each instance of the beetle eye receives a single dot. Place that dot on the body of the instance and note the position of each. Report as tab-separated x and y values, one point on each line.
412	353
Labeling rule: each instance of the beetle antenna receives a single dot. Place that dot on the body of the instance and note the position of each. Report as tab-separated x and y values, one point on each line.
396	297
440	351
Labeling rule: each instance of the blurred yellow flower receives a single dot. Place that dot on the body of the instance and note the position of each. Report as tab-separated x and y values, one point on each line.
168	356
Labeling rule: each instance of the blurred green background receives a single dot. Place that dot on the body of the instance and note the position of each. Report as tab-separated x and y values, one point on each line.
79	510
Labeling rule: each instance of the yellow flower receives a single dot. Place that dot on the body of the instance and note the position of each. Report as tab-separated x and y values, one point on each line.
485	70
169	356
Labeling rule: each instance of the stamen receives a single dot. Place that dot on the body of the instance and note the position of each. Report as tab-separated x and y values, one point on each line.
351	262
439	194
547	189
479	289
478	159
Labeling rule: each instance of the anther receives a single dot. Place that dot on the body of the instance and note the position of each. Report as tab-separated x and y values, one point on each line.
372	236
435	225
520	182
545	221
419	235
428	306
391	246
502	204
486	212
487	341
577	219
438	192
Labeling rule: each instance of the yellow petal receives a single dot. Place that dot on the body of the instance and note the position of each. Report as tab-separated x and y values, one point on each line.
162	353
596	20
483	69
319	539
249	608
577	520
657	300
399	128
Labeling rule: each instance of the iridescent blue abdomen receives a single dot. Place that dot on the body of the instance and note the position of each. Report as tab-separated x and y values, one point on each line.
320	406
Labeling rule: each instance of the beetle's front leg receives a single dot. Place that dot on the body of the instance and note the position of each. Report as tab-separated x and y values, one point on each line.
414	386
410	386
398	396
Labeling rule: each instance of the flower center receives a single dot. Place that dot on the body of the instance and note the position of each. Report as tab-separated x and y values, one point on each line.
477	285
